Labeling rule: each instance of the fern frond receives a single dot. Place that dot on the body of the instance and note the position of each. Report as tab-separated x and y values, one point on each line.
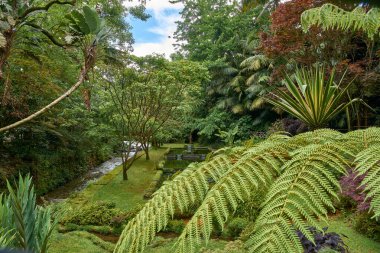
256	169
302	194
300	176
368	164
188	188
330	16
365	137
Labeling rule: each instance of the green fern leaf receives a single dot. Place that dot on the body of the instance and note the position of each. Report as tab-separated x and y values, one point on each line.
329	16
188	188
300	196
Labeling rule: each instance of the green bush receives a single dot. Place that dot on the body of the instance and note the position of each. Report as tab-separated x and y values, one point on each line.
68	227
175	226
154	185
104	230
235	227
98	213
367	226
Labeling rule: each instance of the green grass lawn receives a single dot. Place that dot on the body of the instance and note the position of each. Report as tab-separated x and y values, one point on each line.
78	242
356	242
84	242
126	194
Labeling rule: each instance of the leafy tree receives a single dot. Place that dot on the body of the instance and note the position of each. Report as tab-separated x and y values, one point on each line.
16	15
146	98
239	72
88	30
66	140
299	175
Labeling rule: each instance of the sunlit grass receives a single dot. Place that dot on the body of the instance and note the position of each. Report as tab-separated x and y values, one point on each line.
78	242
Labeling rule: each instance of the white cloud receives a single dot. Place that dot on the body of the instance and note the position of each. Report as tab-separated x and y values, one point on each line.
165	28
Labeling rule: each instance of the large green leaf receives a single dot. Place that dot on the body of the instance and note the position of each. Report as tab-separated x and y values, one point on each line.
92	19
80	21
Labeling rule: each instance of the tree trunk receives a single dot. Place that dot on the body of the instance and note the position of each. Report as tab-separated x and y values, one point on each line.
125	170
146	150
191	137
4	55
6	50
127	164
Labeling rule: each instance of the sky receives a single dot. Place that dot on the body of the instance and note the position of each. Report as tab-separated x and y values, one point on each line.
156	34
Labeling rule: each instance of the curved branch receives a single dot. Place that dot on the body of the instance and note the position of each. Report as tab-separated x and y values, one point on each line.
47	34
81	79
46	7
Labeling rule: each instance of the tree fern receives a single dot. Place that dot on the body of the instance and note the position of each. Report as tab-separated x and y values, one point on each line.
188	188
299	174
257	168
368	164
330	16
301	195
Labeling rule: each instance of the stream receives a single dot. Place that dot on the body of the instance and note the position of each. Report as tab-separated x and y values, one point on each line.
63	192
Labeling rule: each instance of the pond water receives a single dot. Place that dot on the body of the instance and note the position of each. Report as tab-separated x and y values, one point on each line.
78	184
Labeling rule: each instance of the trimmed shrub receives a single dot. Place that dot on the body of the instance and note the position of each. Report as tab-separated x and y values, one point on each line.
98	213
154	185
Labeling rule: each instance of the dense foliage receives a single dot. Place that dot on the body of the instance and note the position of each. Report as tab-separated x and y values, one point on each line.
294	109
48	53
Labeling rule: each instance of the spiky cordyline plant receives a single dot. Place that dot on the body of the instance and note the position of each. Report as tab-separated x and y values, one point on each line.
311	97
301	175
